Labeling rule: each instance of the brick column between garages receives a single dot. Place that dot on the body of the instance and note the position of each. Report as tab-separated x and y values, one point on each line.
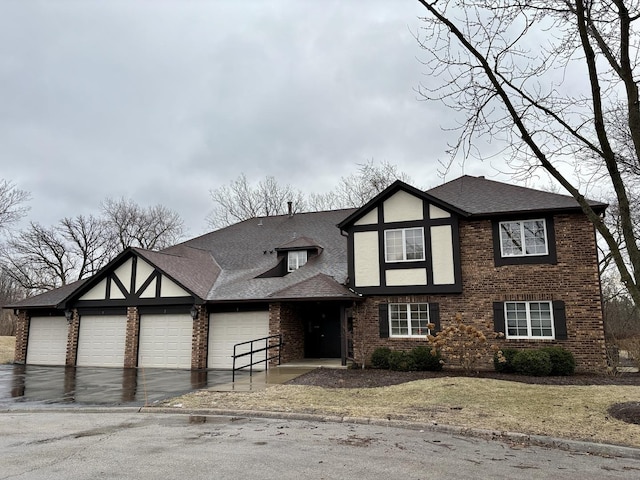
199	343
131	340
72	339
22	335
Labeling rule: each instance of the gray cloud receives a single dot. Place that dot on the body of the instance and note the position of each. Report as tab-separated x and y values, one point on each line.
163	101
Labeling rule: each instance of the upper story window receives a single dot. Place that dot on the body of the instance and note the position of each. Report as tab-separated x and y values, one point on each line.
529	319
296	259
404	244
523	238
408	319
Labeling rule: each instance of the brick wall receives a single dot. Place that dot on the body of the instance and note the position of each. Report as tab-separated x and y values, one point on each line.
284	318
72	339
574	279
22	333
199	343
131	340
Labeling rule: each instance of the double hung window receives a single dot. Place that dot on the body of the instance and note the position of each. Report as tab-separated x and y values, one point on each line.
296	259
523	238
404	244
529	319
408	319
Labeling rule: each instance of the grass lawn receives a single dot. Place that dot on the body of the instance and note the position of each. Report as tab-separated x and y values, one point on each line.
7	349
576	412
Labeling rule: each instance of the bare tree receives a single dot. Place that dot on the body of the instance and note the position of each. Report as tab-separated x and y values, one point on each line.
10	292
88	241
38	259
504	68
240	201
41	258
131	225
357	189
12	203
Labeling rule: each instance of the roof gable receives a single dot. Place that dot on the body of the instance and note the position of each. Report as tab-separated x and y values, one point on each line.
387	194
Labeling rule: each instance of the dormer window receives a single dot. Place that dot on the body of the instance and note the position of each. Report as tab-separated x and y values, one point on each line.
296	259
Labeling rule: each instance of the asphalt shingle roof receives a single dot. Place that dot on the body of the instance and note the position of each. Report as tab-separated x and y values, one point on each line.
479	196
224	265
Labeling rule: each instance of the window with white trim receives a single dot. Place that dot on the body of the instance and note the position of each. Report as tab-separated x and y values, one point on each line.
296	259
523	238
408	319
404	245
529	319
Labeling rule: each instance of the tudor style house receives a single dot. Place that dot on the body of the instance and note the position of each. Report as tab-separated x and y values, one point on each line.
338	284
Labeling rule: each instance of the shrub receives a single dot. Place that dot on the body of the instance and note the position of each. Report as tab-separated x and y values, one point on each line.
380	358
562	361
426	358
532	362
461	344
503	360
401	361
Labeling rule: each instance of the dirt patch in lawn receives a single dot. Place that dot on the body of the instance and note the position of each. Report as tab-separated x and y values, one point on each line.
574	407
627	412
7	349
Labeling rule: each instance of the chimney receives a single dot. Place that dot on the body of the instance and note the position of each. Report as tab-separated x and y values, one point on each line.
290	206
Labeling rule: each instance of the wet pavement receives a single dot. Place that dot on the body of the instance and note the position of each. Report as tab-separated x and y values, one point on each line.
31	385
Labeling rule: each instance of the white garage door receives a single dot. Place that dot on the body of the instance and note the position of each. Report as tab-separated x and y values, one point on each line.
47	344
101	341
165	341
227	329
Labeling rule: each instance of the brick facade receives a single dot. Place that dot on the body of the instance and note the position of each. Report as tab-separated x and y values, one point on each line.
200	346
22	334
73	332
574	280
284	318
131	339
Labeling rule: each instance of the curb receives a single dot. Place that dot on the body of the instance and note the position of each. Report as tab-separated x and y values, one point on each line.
601	449
590	448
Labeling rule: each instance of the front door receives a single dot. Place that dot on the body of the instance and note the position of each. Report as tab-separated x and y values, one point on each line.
322	331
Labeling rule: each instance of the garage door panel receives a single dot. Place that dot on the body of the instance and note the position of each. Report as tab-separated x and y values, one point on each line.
101	341
165	341
47	343
228	329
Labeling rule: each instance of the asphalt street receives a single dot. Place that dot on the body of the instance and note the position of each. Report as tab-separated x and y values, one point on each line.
128	444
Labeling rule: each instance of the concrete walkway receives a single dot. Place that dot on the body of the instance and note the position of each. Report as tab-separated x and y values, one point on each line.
275	375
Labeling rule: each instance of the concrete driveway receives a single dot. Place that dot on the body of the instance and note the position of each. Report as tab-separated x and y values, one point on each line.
29	385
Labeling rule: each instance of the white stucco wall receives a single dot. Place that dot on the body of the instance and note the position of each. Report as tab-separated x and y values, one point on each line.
366	259
402	207
408	276
442	255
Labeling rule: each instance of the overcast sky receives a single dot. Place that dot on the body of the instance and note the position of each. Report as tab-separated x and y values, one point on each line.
162	101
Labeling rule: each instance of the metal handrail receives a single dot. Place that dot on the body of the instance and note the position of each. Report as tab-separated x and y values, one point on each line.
251	351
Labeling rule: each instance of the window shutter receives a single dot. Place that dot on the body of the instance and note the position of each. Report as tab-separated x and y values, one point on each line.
383	317
434	316
498	317
560	320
